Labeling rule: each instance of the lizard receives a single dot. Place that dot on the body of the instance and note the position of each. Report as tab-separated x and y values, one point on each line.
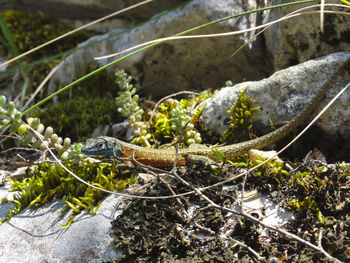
110	146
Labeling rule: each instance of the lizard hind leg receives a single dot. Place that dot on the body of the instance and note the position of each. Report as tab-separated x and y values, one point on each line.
205	160
199	154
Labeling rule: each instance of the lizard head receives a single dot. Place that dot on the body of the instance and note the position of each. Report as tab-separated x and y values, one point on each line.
103	145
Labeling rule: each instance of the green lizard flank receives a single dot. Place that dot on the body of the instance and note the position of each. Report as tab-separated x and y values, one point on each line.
109	146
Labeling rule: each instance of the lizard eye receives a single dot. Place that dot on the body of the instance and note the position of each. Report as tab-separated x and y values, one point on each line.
100	145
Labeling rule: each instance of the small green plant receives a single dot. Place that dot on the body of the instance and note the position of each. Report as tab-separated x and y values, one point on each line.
128	106
240	119
272	169
170	120
179	118
13	117
48	181
228	83
308	204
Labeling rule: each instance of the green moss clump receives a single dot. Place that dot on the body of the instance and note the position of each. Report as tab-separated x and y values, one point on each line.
90	104
240	119
308	204
273	169
76	118
306	187
50	181
100	85
31	30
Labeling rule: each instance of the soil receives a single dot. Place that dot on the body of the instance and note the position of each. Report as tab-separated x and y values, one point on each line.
160	231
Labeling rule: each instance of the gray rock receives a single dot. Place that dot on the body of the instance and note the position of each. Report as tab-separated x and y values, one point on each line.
281	96
300	39
36	235
194	64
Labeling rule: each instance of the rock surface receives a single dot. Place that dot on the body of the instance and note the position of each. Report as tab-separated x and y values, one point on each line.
194	64
299	39
37	235
281	96
199	64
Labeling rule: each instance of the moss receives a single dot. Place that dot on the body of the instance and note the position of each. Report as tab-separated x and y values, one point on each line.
29	31
273	169
100	85
309	189
90	104
49	181
76	118
240	119
308	204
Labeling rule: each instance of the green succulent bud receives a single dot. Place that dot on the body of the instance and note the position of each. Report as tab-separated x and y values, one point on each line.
136	133
27	138
17	116
5	122
59	140
197	138
132	119
228	83
29	120
53	139
33	122
40	129
192	133
48	132
190	141
142	139
22	128
67	142
11	107
137	125
65	156
42	147
59	148
187	134
189	127
143	125
2	101
2	112
77	148
36	144
14	127
138	117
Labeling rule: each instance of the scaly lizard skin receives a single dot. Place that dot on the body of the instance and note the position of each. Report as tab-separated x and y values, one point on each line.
109	146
